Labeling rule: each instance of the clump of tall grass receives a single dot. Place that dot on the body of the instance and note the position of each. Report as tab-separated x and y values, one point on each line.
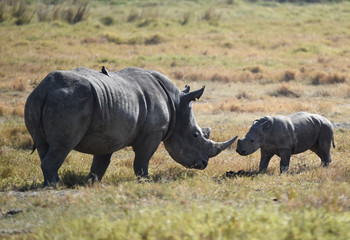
15	136
76	12
285	90
22	12
107	20
288	76
71	179
2	11
211	16
19	85
328	78
155	39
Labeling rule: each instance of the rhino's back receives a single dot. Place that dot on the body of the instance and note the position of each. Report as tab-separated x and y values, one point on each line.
128	105
308	128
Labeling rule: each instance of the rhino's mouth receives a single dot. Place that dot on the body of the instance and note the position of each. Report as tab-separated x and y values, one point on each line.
242	152
200	165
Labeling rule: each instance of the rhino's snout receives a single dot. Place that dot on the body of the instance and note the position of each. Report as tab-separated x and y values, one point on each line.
240	150
200	165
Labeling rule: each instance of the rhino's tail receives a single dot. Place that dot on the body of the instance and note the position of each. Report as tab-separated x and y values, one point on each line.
333	142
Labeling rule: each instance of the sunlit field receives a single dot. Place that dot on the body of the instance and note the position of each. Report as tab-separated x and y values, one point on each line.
255	59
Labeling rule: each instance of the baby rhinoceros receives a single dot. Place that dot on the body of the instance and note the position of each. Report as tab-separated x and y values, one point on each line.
287	135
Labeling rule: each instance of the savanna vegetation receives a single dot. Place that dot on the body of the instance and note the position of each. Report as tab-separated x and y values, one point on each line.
256	58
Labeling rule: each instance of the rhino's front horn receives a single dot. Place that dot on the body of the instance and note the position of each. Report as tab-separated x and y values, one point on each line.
219	147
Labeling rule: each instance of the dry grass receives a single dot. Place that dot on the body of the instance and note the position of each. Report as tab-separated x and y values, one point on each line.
285	90
19	85
328	78
254	59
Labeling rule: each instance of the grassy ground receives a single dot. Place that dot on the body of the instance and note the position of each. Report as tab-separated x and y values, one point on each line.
255	60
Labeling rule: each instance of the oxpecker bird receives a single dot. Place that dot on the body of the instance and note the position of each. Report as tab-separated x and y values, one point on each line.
104	71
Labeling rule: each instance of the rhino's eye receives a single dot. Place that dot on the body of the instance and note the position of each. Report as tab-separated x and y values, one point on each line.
251	140
196	134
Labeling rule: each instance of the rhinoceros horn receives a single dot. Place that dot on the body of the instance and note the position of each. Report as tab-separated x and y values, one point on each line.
192	96
186	89
217	147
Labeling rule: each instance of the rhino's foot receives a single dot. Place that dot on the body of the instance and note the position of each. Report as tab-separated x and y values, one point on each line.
51	185
284	169
92	178
325	164
143	179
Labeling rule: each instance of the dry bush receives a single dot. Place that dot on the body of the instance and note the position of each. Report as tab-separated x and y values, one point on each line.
19	85
220	77
256	69
230	104
288	76
243	95
328	78
285	91
155	39
244	77
178	74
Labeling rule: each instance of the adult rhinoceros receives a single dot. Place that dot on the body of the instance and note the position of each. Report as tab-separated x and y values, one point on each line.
100	113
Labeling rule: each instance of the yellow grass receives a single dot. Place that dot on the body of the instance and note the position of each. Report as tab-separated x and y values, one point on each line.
255	59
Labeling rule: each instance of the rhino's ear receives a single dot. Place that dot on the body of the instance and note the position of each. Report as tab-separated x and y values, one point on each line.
192	96
267	124
187	89
206	132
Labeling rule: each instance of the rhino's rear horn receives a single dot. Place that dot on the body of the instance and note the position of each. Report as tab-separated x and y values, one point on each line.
219	147
186	89
192	96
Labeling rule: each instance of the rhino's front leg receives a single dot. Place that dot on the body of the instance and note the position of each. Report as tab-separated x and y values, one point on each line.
264	160
99	166
285	159
144	149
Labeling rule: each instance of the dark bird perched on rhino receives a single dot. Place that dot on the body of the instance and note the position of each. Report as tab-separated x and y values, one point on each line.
104	71
287	135
91	112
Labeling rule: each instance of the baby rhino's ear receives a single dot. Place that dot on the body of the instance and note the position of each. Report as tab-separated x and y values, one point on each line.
266	124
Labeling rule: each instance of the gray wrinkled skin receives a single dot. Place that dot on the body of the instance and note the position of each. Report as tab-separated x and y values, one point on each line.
98	113
287	135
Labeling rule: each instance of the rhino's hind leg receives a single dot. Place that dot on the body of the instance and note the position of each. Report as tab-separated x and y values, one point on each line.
42	147
99	166
51	163
324	154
